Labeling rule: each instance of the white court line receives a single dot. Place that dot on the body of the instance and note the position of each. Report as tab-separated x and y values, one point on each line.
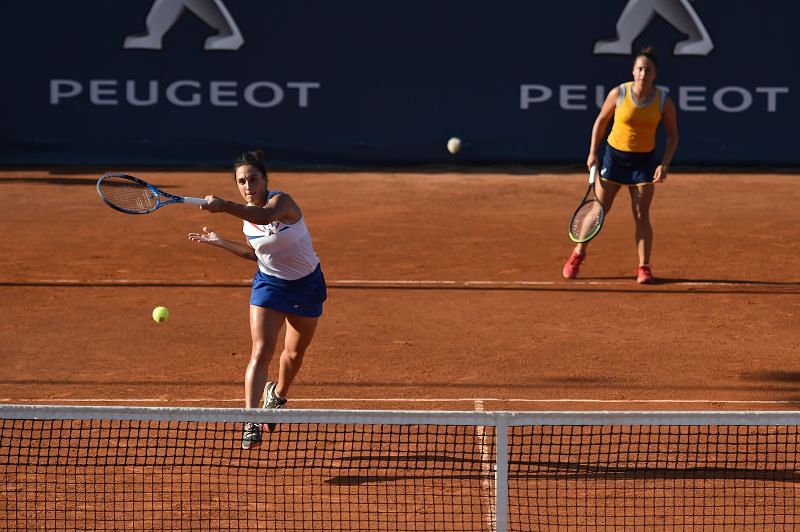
378	283
364	400
402	282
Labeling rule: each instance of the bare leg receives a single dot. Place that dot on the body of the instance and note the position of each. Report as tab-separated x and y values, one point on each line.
641	199
265	325
299	333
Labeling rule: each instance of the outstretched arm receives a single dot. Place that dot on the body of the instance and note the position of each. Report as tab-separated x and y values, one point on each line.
210	237
280	207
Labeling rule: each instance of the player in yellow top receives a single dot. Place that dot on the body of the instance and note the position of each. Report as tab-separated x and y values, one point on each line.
629	158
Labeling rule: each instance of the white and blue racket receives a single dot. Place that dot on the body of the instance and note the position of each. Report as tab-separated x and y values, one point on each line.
132	195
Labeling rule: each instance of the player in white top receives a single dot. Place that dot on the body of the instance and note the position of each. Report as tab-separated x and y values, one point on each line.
283	250
288	286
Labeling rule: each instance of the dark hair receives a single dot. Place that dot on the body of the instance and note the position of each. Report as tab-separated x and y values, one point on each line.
253	158
650	53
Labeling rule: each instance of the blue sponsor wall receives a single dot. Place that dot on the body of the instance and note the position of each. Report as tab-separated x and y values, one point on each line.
366	83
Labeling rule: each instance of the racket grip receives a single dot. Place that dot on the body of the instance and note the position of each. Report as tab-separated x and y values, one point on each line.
195	201
592	174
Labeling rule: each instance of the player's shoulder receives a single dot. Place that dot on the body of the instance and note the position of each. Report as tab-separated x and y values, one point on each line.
612	99
616	91
620	87
285	205
278	197
665	99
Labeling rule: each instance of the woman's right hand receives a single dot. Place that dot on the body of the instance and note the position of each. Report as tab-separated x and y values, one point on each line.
206	237
213	204
591	161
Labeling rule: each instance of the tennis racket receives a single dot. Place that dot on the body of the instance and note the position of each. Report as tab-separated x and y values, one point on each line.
132	195
587	220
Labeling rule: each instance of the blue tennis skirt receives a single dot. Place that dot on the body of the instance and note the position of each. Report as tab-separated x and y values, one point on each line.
303	296
628	168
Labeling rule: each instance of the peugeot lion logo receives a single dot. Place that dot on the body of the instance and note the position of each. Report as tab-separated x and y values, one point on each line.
637	14
164	14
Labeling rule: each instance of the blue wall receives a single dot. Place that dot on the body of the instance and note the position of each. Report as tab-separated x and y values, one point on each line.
362	82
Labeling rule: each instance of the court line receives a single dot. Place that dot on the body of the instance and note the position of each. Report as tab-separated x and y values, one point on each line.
389	283
473	401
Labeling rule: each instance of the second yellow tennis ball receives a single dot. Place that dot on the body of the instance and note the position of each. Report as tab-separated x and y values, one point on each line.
160	314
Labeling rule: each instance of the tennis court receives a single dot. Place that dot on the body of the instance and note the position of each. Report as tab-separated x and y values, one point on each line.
443	286
445	294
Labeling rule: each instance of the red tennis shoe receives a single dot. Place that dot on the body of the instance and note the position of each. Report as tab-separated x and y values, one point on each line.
572	266
644	275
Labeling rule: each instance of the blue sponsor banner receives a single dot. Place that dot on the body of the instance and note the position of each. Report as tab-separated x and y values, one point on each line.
363	83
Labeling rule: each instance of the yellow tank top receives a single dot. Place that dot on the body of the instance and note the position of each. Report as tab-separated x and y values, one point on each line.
635	124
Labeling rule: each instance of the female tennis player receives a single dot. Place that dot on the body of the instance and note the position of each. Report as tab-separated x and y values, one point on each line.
288	287
629	160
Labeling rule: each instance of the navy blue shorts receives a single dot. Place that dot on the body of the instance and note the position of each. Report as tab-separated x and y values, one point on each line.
303	296
628	168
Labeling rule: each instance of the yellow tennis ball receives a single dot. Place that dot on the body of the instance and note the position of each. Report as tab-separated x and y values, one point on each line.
160	314
454	145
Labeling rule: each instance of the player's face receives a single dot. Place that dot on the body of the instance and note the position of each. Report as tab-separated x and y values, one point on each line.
252	184
644	71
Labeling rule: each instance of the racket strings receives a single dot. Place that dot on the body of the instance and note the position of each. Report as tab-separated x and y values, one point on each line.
128	194
586	221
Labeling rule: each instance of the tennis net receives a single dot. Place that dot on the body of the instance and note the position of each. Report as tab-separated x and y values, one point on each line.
127	468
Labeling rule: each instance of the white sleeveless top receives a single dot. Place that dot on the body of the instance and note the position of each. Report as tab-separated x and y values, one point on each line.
283	250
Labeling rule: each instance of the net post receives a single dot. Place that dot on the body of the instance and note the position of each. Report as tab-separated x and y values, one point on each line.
501	473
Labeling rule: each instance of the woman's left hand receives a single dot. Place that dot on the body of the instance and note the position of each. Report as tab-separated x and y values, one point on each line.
206	237
661	174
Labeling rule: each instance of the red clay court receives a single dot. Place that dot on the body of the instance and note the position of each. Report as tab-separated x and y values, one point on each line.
444	289
445	294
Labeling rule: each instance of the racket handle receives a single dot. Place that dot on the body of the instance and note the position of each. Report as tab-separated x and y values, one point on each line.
195	201
592	174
